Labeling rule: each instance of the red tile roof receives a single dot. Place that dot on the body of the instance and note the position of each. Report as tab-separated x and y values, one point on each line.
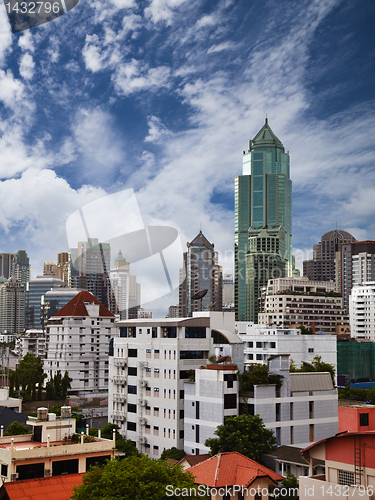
228	469
194	459
44	488
77	308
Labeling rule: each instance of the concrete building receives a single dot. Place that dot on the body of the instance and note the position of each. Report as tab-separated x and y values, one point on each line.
362	311
356	416
78	338
305	409
349	467
228	292
54	300
21	267
126	292
89	269
63	267
322	267
263	341
35	290
48	451
33	342
148	366
263	220
12	306
201	272
291	302
6	260
50	268
212	396
173	312
357	266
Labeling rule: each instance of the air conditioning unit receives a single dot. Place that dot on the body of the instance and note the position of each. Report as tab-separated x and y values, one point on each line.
142	402
143	383
14	476
142	421
48	472
142	440
164	332
143	364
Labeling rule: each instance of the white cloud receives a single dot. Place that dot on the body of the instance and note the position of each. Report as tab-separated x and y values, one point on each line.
162	10
27	66
11	90
135	76
92	54
156	130
221	47
26	41
5	36
124	4
207	20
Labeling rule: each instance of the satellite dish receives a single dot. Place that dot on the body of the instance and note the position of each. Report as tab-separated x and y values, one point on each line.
199	295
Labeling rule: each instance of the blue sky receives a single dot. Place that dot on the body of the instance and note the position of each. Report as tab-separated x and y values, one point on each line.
162	96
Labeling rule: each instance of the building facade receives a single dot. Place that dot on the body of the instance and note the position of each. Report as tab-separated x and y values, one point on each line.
201	272
12	306
323	265
35	290
126	292
89	267
362	311
305	409
290	302
263	341
263	220
63	267
78	338
357	266
150	362
6	260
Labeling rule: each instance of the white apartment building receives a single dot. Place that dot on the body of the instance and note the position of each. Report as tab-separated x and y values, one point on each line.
362	310
78	338
289	302
263	341
149	363
211	397
305	409
32	341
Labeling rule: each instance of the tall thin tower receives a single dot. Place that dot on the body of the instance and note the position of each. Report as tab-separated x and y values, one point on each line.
263	220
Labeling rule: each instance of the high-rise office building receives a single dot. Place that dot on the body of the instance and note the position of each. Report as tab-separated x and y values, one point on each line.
35	290
89	267
50	268
6	260
126	292
202	272
357	266
322	266
63	267
263	221
12	306
21	267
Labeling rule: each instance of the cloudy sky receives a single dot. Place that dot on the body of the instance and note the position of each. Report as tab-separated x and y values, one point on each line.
162	97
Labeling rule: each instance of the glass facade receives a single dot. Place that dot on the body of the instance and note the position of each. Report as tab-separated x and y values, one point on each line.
263	220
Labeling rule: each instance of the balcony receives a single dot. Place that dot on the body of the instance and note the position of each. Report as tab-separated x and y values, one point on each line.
119	379
119	414
119	398
119	361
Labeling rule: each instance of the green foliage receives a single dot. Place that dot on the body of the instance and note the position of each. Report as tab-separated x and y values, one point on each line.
16	428
258	375
134	478
245	434
356	394
107	431
28	375
305	330
127	447
212	359
93	432
317	366
290	483
57	387
173	453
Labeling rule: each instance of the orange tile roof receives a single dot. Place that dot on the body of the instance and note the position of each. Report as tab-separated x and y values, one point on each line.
76	307
228	469
44	488
194	459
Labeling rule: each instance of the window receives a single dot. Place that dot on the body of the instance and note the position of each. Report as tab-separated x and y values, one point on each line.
131	426
195	332
132	353
230	401
132	408
259	345
132	389
363	419
346	478
132	370
310	349
191	354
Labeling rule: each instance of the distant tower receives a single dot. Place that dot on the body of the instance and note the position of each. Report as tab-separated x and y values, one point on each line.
325	253
12	306
21	267
50	268
126	292
63	267
263	221
6	260
202	272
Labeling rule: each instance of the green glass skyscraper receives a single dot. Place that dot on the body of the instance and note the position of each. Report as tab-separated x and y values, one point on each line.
263	221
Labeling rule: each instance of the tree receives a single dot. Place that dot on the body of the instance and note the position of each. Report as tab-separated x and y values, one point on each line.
136	478
305	330
28	374
173	453
258	375
290	484
16	428
317	365
245	434
127	447
57	387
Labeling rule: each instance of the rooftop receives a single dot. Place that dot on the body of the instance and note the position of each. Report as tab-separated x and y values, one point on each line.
44	488
77	307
